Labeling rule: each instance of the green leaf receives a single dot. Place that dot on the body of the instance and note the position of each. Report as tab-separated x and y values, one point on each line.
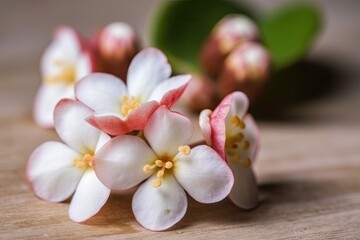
289	32
180	28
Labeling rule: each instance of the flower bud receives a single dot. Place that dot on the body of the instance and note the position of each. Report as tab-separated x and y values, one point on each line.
116	45
228	33
199	94
246	69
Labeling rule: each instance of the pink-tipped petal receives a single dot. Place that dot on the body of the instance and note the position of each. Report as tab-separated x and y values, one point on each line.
136	120
169	91
119	163
72	128
244	193
204	174
51	172
46	99
166	131
147	69
205	126
159	208
101	92
89	197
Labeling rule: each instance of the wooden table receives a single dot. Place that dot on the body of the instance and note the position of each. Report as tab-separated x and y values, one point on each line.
308	167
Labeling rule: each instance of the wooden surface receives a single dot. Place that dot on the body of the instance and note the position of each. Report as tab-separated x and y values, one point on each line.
308	167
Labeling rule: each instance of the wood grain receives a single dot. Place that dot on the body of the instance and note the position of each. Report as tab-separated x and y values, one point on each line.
308	167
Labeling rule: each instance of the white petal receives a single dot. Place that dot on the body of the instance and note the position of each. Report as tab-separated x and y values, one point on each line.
103	138
89	197
252	134
148	68
159	208
244	193
205	126
203	174
166	131
83	65
239	104
170	86
72	128
100	91
119	163
46	99
51	172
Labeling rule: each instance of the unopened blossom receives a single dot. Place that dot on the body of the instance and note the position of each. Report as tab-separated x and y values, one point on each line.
246	68
64	62
115	46
121	108
234	135
230	32
57	170
167	165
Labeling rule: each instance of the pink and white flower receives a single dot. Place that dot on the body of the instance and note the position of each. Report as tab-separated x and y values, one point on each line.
120	109
167	165
64	62
234	135
56	170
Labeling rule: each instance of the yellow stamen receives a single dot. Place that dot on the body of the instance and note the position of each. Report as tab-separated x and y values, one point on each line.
128	104
246	163
157	182
161	173
159	163
84	162
147	168
184	149
246	145
238	122
169	165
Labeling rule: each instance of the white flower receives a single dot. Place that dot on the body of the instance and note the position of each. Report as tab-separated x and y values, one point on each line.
64	62
234	135
168	166
56	170
120	109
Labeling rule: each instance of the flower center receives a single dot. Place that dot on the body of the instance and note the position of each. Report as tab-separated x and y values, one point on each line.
236	142
163	165
84	162
66	75
128	104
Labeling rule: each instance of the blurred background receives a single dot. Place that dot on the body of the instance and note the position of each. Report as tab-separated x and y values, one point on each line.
330	73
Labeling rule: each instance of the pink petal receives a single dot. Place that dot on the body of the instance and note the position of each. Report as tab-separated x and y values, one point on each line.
146	71
101	92
244	193
89	197
72	128
159	208
46	99
136	120
166	131
119	163
205	126
169	91
51	172
203	174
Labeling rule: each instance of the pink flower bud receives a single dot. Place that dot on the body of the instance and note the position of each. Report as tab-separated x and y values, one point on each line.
228	33
116	45
246	69
199	94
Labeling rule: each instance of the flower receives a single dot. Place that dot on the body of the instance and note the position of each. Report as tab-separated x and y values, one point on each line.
64	62
119	108
168	166
56	170
235	136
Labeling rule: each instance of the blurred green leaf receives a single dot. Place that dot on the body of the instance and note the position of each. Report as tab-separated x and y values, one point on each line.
179	28
289	31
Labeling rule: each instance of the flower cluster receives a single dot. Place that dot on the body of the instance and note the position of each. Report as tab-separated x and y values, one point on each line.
122	133
232	59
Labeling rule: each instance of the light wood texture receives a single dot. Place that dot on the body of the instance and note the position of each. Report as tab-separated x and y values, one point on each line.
308	167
